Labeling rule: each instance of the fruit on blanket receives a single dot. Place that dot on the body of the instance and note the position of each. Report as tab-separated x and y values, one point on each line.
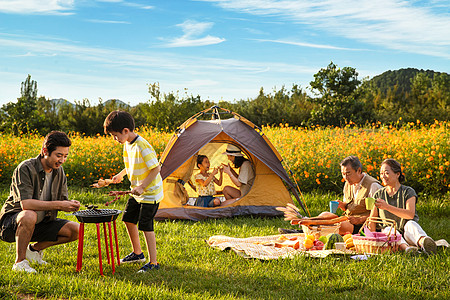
282	238
347	236
323	239
318	245
310	237
308	244
348	239
333	238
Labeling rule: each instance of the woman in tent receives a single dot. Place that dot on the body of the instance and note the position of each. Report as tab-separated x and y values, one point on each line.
243	181
398	202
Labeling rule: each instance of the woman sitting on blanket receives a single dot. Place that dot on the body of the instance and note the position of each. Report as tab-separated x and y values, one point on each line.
243	181
205	183
398	202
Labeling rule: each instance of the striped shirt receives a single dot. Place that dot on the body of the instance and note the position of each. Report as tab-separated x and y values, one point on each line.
140	158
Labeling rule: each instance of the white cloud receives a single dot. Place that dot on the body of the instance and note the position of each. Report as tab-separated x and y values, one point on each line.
130	4
75	72
192	30
55	7
188	42
410	26
108	21
137	5
308	45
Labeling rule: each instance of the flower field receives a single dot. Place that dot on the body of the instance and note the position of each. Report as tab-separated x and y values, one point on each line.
313	155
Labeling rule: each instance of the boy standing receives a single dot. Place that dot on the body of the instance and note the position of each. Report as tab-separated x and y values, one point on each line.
142	168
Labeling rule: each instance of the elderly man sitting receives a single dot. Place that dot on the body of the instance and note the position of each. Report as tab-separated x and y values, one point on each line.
358	186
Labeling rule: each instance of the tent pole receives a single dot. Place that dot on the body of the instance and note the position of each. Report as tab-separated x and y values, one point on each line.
298	188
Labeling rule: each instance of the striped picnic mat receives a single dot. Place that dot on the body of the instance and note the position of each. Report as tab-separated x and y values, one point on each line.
263	247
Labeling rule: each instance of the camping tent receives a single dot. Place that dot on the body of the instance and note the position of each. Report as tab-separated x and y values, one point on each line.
210	137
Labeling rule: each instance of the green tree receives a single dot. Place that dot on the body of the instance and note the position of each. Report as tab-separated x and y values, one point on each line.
21	117
168	111
281	106
335	82
338	98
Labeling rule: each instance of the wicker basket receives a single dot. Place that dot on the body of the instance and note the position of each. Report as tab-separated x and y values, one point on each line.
379	242
321	230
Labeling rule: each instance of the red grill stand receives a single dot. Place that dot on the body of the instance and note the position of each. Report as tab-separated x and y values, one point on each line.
110	246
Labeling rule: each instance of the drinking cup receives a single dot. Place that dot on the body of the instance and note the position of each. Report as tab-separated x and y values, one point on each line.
370	203
333	206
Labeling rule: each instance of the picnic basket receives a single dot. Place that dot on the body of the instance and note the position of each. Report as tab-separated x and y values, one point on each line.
377	242
321	230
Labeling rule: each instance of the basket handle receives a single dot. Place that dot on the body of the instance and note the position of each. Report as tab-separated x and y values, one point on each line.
391	223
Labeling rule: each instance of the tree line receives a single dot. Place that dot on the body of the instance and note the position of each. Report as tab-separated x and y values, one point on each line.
336	98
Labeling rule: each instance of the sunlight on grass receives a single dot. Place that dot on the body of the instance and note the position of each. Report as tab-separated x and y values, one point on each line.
192	270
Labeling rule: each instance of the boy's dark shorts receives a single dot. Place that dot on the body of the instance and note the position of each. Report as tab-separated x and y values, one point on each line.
142	213
45	231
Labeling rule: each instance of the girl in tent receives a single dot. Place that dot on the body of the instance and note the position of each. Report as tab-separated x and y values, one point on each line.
245	178
205	183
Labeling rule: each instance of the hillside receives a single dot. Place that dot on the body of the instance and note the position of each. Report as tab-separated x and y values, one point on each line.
401	77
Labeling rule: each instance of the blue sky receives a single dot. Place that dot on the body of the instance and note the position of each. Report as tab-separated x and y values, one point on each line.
218	49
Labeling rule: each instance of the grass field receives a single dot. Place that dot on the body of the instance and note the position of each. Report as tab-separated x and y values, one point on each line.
192	270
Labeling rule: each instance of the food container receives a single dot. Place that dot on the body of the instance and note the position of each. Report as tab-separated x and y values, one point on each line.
97	215
321	230
340	246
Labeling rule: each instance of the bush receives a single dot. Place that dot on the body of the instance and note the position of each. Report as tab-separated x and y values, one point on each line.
313	155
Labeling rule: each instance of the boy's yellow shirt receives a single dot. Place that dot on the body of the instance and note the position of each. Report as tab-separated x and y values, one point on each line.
140	158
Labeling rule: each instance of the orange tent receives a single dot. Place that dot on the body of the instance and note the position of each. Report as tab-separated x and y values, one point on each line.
210	137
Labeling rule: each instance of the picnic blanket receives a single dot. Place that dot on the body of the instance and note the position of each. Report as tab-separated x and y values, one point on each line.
263	247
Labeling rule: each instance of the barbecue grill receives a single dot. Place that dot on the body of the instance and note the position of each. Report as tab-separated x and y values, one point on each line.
97	215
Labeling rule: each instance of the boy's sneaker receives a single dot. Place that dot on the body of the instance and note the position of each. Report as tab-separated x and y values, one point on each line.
429	245
35	256
132	258
23	266
148	266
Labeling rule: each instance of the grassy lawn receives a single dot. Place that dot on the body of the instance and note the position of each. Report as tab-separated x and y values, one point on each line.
192	270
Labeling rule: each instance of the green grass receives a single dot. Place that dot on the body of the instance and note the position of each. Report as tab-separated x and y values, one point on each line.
192	270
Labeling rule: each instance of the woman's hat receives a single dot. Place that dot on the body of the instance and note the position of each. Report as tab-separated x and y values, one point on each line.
233	150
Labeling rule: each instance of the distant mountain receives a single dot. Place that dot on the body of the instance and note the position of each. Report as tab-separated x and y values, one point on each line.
118	103
401	77
59	102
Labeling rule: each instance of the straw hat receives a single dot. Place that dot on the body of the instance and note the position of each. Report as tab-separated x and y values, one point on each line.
233	150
